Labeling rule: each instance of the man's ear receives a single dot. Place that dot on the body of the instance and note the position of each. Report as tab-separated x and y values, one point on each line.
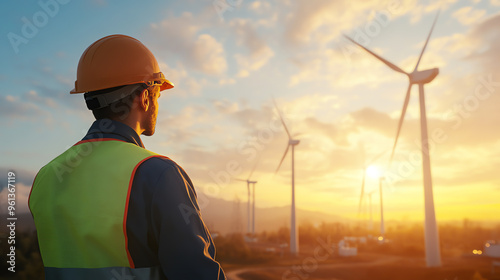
144	99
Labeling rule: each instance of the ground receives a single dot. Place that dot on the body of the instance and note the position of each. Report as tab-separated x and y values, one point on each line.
368	266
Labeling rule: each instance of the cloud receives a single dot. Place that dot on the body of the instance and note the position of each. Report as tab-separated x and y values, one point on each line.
13	107
191	122
340	68
22	176
195	48
34	97
457	43
320	21
309	16
487	44
315	28
225	106
227	81
337	134
185	84
259	52
54	87
467	15
369	118
259	6
419	9
209	55
267	13
22	194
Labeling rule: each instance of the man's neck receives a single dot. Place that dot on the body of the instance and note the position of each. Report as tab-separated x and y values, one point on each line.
134	124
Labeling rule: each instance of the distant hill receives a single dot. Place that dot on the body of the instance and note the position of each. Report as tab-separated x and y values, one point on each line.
221	215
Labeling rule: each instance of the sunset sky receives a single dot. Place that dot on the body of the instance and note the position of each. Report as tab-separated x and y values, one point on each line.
228	58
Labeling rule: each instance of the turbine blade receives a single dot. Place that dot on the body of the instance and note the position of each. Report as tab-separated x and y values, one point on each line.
237	179
426	41
388	63
375	158
281	118
284	155
403	112
362	191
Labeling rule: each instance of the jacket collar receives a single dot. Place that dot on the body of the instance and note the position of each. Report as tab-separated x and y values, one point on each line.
106	128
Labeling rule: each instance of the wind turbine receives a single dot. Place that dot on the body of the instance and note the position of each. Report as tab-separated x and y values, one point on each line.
294	243
248	181
420	78
366	164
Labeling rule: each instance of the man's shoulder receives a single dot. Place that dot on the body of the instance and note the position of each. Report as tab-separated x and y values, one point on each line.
161	161
157	170
159	164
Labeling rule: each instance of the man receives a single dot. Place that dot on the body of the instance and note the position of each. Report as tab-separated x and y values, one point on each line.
107	208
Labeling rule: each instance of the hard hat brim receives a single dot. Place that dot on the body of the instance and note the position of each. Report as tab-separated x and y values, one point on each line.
164	83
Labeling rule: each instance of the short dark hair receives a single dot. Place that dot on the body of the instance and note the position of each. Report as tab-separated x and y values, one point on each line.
117	110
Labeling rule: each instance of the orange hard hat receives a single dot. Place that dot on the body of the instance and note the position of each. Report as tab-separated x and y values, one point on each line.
117	60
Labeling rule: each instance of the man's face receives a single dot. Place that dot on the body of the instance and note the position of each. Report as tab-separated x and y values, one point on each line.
152	112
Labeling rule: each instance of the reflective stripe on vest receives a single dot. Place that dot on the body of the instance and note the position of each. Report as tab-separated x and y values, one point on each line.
79	203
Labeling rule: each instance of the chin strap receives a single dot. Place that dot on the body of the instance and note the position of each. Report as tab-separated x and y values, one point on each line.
97	101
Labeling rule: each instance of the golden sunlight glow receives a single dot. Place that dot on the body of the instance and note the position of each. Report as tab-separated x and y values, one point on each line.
373	172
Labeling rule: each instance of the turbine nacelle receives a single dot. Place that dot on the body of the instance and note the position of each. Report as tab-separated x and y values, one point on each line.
293	142
423	77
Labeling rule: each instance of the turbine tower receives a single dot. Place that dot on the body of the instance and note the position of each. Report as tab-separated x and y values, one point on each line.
420	78
294	234
249	214
253	207
382	227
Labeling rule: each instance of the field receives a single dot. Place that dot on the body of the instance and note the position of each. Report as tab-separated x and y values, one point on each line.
401	257
373	267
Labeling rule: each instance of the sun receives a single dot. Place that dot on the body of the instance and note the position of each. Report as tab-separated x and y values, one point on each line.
373	171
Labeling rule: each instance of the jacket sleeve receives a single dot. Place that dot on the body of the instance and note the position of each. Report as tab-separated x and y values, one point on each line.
185	247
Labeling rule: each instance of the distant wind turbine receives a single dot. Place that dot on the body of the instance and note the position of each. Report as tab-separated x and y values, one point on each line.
253	207
294	243
382	226
366	164
249	215
420	77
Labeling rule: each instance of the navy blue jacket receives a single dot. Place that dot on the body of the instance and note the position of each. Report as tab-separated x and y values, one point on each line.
164	223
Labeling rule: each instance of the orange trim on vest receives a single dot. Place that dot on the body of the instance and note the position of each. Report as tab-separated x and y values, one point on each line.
130	260
98	140
29	196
